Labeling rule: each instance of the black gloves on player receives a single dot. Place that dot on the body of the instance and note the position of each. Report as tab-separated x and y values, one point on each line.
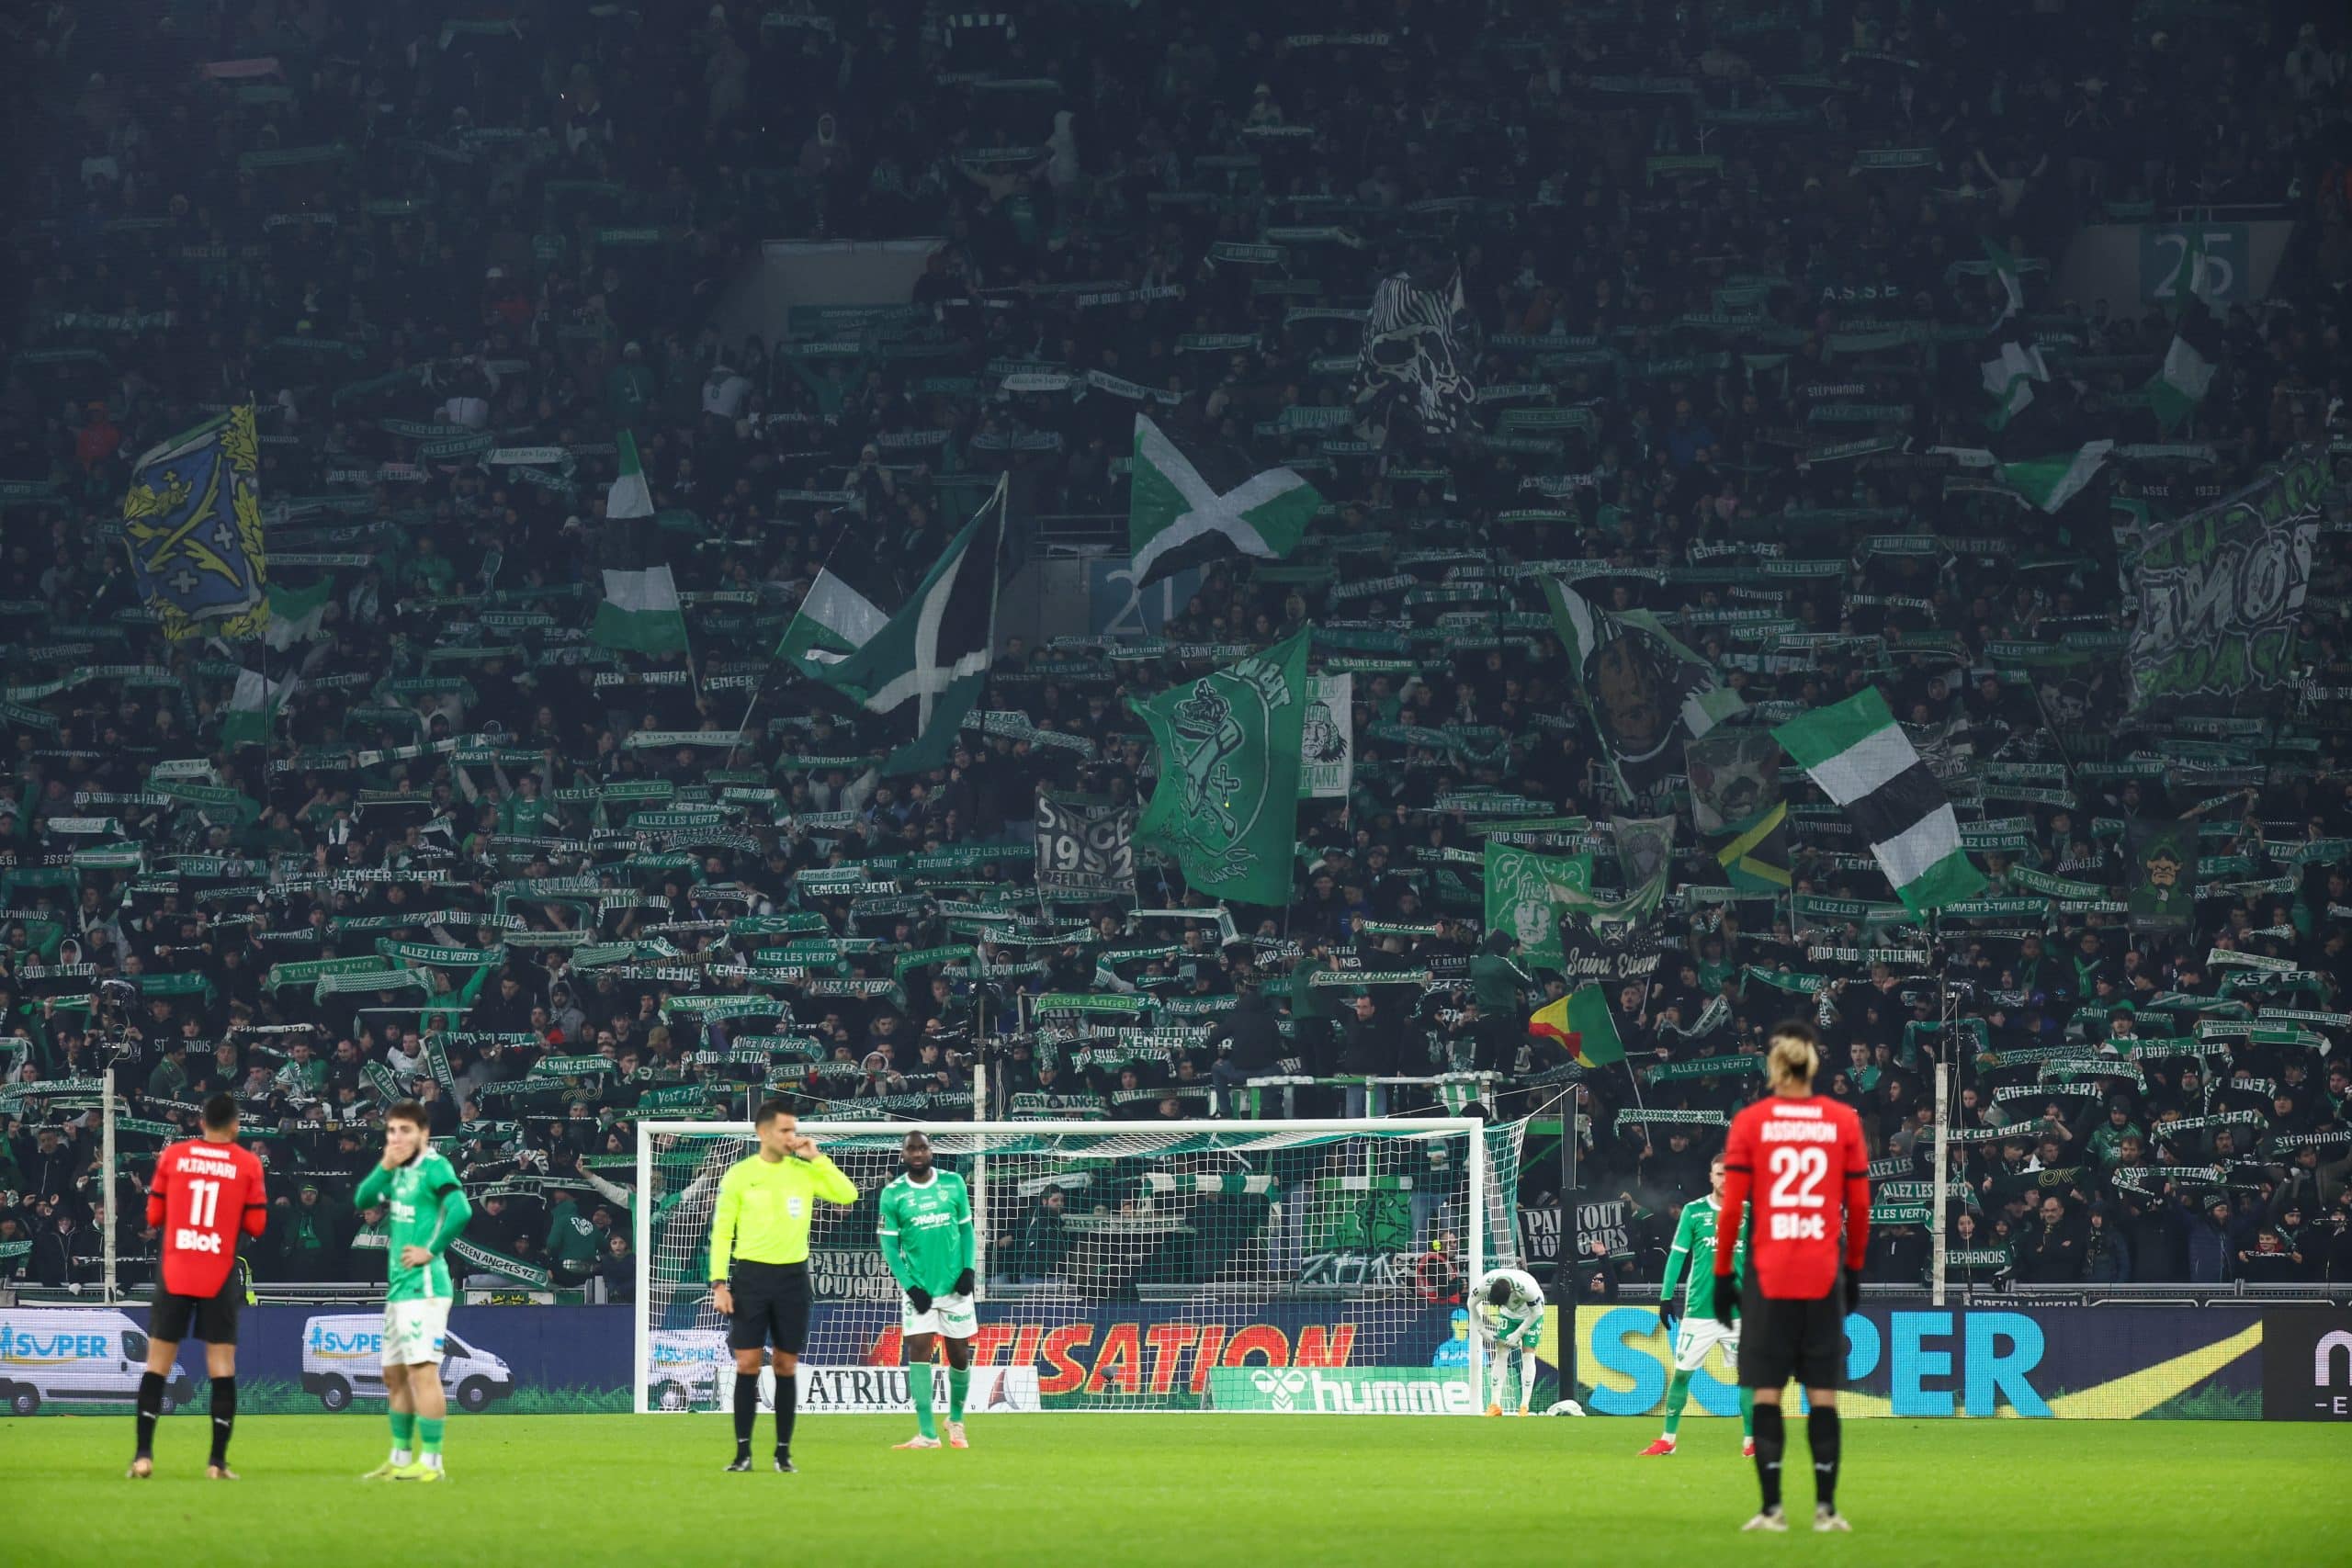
1853	1292
921	1297
1726	1299
1665	1321
964	1282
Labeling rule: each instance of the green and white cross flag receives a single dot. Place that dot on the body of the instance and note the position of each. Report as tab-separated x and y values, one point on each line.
1864	762
254	708
925	668
2009	379
629	496
2186	374
2051	482
640	611
1185	509
1227	804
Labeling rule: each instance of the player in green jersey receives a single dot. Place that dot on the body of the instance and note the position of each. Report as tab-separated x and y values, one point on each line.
426	1210
927	1238
1506	1309
1694	1245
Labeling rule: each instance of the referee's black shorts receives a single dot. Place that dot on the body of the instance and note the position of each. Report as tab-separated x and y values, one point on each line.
1784	1338
214	1316
771	1306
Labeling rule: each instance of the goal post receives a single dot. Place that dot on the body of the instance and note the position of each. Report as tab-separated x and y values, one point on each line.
1201	1265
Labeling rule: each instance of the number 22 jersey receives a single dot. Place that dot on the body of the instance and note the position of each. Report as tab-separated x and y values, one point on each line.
1797	1162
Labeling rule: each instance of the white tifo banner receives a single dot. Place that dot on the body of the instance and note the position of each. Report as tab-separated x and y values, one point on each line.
1327	743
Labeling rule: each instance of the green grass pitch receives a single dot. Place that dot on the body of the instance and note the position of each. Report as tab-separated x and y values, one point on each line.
1191	1490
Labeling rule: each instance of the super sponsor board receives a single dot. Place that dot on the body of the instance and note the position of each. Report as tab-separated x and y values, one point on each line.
2110	1362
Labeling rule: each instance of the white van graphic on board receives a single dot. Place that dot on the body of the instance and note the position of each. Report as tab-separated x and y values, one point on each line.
343	1359
74	1356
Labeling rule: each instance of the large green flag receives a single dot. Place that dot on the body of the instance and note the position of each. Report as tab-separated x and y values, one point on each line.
1227	804
1523	894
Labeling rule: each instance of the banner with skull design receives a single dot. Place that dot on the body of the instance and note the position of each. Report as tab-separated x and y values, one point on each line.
1420	346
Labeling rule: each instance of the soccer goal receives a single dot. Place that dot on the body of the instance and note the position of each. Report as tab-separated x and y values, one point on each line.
1259	1266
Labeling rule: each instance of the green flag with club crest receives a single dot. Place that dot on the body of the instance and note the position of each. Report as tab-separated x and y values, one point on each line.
1227	804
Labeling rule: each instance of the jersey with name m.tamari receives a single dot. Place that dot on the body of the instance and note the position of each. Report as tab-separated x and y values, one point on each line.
1796	1162
203	1195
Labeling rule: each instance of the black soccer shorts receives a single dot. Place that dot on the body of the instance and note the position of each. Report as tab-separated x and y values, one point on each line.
771	1307
214	1316
1781	1337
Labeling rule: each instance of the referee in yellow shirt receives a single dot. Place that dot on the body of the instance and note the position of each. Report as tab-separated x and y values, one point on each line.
759	1265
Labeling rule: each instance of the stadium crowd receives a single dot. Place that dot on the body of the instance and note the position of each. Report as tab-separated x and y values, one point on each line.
1730	267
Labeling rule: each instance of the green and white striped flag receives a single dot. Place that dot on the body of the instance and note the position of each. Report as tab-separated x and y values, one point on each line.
254	708
2009	379
2005	268
629	496
640	611
2051	482
841	614
2186	374
1185	508
296	614
1862	760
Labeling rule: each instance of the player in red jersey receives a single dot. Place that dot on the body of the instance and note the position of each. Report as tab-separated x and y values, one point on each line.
206	1190
1795	1159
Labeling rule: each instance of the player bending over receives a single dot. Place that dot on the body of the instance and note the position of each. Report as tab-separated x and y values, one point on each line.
925	1229
205	1191
1694	1243
758	1266
425	1210
1798	1160
1508	1308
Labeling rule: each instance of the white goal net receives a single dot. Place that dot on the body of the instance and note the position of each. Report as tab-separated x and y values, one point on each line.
1169	1266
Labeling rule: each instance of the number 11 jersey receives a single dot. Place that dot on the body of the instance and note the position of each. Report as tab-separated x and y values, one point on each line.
203	1195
